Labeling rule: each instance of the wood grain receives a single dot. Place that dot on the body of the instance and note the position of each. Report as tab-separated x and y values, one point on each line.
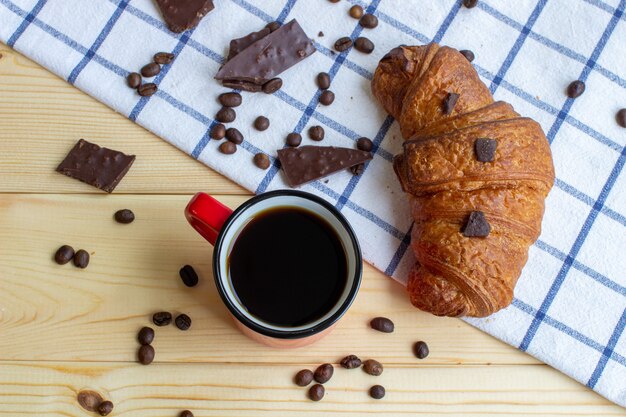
50	389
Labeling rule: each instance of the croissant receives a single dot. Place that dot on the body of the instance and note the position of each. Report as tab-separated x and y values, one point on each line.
476	174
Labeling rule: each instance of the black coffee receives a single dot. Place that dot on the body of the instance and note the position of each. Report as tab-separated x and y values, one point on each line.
288	266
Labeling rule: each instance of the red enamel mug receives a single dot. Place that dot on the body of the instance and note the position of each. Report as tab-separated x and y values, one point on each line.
221	227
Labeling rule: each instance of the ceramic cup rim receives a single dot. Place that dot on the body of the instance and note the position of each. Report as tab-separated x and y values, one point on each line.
221	244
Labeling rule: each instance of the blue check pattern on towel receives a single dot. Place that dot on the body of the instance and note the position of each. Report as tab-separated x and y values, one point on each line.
570	306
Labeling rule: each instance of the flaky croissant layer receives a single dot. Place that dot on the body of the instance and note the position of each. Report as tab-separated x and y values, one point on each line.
476	174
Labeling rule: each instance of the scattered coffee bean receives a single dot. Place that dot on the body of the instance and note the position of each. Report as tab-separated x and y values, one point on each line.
145	336
485	149
575	89
146	90
377	392
228	148
364	144
351	362
183	322
226	115
334	1
294	139
327	97
146	354
162	318
272	85
218	131
164	58
369	21
81	258
186	413
364	45
150	70
262	161
469	55
372	367
89	400
124	216
261	123
316	392
382	324
356	11
188	275
230	99
343	44
316	133
133	80
64	254
470	3
234	135
323	373
323	80
621	117
449	102
357	169
303	378
476	225
105	408
272	26
420	349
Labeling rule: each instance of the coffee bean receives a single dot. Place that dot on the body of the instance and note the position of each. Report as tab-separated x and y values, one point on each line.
316	133
369	21
183	322
145	336
145	354
364	144
230	99
351	362
303	378
364	45
105	408
621	117
188	275
420	349
150	70
272	85
356	11
162	318
469	55
382	324
377	392
89	400
81	258
323	373
334	1
372	367
262	161
357	169
146	90
272	26
327	97
226	115
218	131
64	254
450	102
186	413
343	44
294	139
575	89
133	80
261	123
470	3
164	58
124	216
228	148
234	135
316	392
323	80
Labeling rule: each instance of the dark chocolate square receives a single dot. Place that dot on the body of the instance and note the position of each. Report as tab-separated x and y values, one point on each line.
485	149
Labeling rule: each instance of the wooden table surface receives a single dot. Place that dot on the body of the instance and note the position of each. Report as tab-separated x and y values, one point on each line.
63	329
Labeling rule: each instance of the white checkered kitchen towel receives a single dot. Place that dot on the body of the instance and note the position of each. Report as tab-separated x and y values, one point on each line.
569	308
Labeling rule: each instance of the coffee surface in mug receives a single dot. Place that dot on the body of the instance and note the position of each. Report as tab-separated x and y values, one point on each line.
288	266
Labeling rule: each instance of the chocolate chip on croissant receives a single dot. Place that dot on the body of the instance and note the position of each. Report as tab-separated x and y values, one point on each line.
476	174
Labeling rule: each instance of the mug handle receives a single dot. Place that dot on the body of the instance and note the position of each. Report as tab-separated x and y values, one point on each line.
207	216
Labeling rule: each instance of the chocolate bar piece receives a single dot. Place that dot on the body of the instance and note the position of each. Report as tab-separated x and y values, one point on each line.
181	15
268	57
308	163
239	44
101	167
